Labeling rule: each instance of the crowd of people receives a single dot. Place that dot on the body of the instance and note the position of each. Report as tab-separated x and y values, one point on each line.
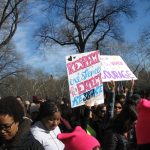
120	123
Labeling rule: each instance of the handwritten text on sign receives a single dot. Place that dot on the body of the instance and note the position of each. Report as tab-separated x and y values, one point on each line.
114	68
84	76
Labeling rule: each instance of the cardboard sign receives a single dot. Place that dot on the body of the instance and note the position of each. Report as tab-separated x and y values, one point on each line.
114	68
84	77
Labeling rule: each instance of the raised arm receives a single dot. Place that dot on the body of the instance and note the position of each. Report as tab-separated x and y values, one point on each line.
111	100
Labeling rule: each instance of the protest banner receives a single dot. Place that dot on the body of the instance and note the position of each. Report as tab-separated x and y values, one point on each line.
115	69
84	77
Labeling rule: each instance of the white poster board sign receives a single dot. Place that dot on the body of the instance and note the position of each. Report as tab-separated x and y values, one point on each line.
114	68
84	77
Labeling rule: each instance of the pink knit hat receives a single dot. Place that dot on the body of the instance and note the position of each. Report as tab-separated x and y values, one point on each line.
143	122
78	140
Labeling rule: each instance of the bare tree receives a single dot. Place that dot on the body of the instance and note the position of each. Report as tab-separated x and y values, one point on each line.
9	19
144	38
80	23
36	83
9	62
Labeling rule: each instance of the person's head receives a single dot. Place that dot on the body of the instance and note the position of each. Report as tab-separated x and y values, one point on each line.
49	115
19	98
117	108
134	99
34	111
11	116
121	98
125	120
79	140
37	100
101	111
27	104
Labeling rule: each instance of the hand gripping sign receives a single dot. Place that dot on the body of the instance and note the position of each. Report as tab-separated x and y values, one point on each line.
84	77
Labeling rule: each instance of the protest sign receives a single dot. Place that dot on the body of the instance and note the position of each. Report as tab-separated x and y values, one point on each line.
114	68
84	77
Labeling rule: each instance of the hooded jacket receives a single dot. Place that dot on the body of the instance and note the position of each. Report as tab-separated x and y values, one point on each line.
47	138
142	125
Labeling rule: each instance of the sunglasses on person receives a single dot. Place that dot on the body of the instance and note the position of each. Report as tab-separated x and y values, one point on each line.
6	127
103	111
119	107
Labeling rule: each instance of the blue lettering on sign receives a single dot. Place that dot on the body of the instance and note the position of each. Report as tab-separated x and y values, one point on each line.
87	73
75	80
89	94
85	96
77	100
98	90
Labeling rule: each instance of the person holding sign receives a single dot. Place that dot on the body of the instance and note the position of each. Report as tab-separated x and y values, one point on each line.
104	113
115	135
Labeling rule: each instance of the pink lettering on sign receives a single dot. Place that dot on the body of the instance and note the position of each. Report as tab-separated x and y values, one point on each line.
83	62
73	91
89	84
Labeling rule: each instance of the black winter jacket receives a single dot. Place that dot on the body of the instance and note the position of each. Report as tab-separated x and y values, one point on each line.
23	140
114	141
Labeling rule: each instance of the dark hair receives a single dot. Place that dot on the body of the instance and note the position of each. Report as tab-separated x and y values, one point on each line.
121	103
134	99
99	108
20	98
12	107
47	108
125	120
